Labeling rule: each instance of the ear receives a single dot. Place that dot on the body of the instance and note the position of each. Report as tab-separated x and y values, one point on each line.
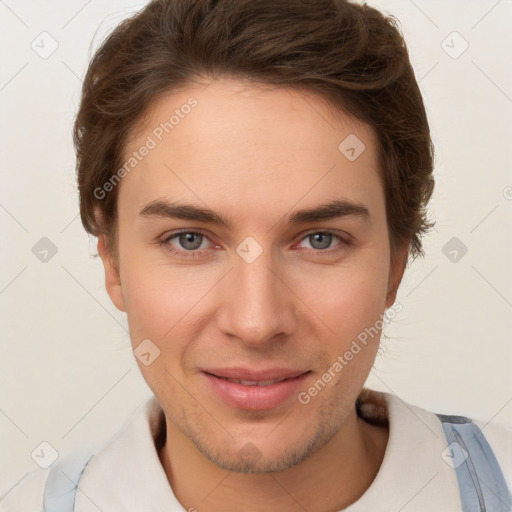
112	278
396	272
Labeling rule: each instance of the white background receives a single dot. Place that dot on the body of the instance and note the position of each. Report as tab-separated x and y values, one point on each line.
67	372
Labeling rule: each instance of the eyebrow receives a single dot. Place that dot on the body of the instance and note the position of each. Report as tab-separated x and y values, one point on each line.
335	209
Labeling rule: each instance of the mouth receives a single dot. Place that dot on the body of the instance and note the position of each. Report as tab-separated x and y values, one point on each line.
252	382
255	390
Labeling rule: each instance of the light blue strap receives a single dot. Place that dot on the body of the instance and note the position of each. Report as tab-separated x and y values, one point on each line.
62	482
482	486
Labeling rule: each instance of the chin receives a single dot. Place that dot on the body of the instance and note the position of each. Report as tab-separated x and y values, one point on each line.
254	463
258	457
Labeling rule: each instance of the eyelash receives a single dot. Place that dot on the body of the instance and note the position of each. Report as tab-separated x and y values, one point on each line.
345	242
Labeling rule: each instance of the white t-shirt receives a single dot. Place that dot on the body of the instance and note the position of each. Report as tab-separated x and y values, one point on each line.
126	475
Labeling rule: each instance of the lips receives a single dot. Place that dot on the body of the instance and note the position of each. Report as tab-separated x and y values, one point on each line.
254	389
253	382
240	373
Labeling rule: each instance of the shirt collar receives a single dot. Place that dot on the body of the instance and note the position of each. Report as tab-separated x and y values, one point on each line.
127	473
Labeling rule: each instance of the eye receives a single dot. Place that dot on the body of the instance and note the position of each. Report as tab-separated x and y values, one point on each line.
321	242
188	243
192	244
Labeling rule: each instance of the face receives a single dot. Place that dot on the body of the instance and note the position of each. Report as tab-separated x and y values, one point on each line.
257	288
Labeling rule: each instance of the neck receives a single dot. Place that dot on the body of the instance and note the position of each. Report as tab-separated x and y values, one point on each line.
332	478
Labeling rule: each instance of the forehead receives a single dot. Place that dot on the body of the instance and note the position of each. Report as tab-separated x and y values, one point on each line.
249	147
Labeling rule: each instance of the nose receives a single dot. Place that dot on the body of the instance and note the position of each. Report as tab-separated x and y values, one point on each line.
256	306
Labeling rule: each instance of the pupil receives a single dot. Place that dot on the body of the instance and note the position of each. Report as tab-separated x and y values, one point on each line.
189	239
319	237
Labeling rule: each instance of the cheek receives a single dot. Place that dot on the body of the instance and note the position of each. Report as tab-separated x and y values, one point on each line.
346	299
160	308
164	304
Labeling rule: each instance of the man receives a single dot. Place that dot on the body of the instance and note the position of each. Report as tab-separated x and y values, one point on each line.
257	174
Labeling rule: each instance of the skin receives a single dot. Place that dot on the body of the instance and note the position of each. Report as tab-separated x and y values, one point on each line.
255	155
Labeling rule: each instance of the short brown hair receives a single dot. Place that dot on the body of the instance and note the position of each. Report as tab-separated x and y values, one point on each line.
352	55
